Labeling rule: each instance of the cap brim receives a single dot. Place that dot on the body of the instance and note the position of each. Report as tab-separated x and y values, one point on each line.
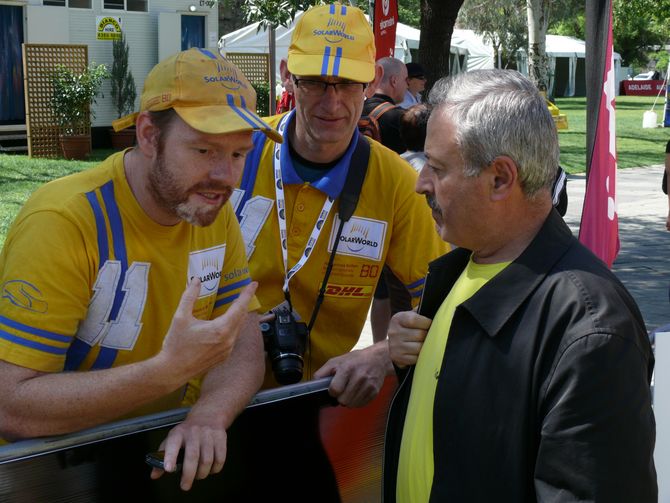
350	69
218	119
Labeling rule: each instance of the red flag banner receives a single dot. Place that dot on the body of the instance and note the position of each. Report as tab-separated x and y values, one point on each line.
385	22
599	229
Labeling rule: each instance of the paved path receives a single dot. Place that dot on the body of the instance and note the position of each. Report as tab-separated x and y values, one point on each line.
643	263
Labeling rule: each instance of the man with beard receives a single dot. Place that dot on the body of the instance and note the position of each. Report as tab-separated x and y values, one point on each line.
95	264
526	370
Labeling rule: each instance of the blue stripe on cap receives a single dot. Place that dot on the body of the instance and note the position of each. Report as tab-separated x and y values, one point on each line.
31	344
34	331
207	53
248	117
332	8
101	228
343	11
252	116
324	64
336	63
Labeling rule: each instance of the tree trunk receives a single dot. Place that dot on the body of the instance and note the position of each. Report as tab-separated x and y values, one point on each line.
537	43
437	25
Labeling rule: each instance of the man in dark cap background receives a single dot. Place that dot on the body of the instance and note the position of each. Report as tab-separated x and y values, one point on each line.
416	83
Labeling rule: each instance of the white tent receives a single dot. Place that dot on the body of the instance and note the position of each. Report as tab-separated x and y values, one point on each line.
468	51
567	65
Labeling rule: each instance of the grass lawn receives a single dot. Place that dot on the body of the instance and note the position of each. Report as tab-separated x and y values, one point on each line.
20	175
635	146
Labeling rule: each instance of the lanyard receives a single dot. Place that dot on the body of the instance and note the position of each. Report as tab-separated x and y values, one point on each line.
281	216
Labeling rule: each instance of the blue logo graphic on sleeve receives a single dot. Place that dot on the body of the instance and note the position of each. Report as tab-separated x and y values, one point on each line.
24	295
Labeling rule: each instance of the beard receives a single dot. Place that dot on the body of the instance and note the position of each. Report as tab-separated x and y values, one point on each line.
174	198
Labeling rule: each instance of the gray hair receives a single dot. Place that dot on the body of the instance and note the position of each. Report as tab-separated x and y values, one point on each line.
500	112
393	67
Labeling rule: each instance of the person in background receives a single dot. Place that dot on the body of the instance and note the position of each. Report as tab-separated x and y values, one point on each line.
526	371
413	127
665	180
124	281
416	83
286	101
388	93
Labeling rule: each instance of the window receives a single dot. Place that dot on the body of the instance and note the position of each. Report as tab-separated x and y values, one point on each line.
129	5
75	4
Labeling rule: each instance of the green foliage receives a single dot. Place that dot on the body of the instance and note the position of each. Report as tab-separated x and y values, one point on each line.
409	12
262	98
502	23
638	25
123	83
74	93
274	12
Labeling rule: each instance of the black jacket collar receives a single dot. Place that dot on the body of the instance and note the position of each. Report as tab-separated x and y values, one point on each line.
511	287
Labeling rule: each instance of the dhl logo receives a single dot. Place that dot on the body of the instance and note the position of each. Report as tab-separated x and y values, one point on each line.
356	291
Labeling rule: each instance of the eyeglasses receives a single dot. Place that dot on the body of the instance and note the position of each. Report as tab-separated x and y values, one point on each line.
318	87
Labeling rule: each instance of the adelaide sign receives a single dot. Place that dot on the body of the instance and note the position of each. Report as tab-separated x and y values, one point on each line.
642	87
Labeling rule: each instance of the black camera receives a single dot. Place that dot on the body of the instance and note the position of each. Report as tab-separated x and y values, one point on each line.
285	340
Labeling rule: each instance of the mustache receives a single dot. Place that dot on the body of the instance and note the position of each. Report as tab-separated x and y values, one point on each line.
432	203
226	190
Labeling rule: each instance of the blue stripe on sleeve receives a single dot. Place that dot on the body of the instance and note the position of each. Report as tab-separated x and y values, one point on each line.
418	293
76	354
105	358
326	58
233	286
418	282
101	228
31	344
336	63
35	331
332	8
343	12
226	300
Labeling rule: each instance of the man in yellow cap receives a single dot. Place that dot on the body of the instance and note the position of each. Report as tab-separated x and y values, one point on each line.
309	260
136	269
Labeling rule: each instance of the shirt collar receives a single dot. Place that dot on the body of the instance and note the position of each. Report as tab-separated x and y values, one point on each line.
332	182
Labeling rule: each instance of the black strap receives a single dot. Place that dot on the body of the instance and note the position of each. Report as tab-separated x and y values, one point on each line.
351	191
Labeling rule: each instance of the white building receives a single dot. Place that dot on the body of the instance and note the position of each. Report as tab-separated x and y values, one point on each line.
154	30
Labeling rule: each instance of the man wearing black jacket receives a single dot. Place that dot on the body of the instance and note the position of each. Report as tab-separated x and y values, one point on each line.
525	374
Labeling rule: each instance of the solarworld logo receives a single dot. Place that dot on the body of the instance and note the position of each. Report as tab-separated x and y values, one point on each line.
226	76
335	31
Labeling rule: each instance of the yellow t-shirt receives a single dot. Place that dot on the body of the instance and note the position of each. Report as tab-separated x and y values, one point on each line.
89	281
392	224
415	466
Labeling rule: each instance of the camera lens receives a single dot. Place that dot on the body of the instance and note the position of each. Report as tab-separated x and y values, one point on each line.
287	369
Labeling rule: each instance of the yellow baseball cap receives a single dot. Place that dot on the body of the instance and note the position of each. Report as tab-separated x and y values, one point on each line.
206	90
333	40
